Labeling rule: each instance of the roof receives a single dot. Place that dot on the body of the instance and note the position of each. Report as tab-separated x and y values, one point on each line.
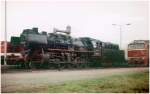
141	41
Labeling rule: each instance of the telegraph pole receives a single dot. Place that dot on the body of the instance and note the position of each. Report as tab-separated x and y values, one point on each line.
5	52
120	31
120	35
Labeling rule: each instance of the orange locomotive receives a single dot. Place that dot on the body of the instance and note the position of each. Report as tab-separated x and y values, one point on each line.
2	50
138	52
12	53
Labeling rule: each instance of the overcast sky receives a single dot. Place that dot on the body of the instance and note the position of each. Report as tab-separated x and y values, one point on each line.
87	19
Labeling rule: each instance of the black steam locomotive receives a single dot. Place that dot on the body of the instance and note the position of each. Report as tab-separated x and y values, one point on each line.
60	50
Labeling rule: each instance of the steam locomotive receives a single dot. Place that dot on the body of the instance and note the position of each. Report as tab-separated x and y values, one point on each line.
60	50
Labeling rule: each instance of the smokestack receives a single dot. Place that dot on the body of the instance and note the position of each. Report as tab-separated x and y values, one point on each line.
35	30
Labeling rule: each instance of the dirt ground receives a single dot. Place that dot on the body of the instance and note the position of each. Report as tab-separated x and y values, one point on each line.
12	81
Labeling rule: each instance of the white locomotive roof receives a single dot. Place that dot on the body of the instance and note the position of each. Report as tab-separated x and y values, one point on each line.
141	41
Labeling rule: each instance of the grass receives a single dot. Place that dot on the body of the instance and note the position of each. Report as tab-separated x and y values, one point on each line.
128	83
123	83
